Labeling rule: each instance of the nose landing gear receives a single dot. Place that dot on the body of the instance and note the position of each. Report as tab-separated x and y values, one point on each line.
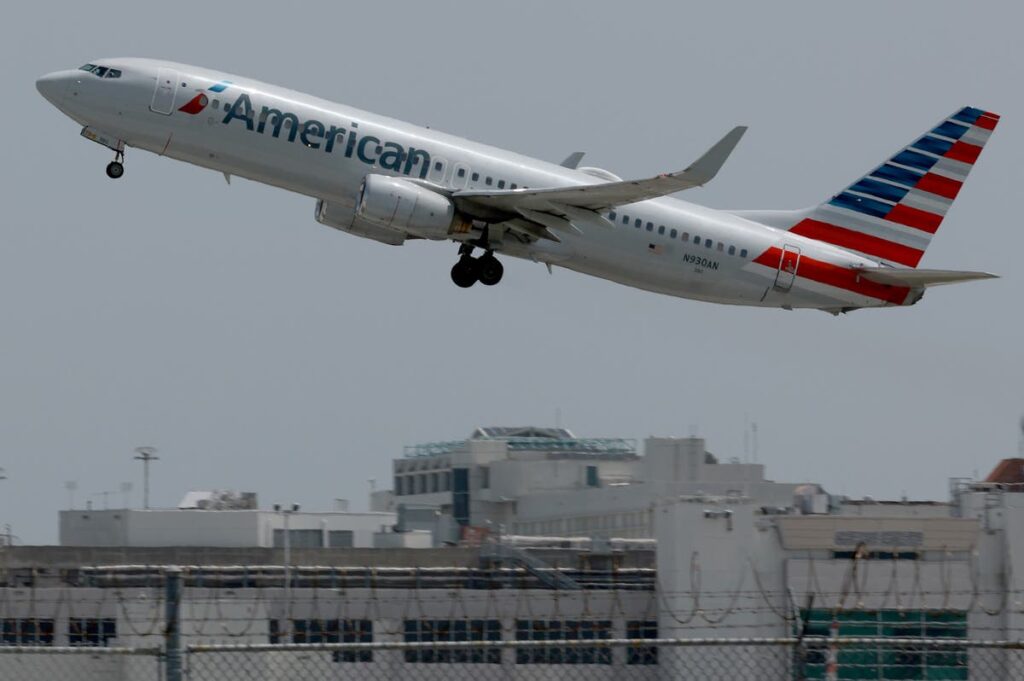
486	269
115	168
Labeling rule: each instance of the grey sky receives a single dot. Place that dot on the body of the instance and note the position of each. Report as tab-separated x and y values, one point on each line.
261	351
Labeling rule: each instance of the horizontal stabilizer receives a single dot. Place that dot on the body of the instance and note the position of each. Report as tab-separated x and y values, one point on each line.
921	278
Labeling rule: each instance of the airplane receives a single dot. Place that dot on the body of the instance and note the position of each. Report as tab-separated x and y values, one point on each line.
391	181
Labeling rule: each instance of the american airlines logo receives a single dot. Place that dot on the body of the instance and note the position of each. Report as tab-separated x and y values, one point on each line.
199	102
329	139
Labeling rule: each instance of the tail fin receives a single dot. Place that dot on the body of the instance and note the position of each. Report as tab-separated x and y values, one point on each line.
891	214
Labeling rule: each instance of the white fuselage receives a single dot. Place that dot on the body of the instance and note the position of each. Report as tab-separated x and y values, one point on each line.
324	150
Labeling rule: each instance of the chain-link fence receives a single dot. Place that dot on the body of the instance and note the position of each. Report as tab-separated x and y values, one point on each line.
37	663
769	659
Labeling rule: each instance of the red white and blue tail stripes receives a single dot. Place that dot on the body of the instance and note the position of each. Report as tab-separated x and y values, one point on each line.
891	214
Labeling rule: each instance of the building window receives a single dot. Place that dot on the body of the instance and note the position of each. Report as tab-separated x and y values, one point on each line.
423	631
340	539
446	481
398	485
329	631
460	495
300	539
563	630
592	478
435	483
880	661
28	631
89	631
642	654
485	477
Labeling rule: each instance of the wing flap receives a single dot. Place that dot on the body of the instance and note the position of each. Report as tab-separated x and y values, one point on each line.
921	278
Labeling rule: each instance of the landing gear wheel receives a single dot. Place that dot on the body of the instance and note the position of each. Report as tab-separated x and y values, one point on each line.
115	169
465	272
489	270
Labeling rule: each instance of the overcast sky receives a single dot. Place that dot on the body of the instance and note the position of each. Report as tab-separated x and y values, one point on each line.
261	351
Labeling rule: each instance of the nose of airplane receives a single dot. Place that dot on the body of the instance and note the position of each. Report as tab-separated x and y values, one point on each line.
52	86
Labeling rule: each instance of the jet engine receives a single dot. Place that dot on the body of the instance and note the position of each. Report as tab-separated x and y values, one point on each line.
397	204
343	218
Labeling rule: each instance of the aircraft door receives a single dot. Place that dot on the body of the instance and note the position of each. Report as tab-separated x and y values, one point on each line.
166	89
789	261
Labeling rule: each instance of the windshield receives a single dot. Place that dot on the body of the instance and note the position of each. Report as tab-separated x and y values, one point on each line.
100	71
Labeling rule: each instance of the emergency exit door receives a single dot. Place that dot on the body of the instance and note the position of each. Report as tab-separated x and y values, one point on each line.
166	88
789	261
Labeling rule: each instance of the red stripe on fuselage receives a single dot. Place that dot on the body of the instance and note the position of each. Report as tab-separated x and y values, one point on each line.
858	241
987	121
835	275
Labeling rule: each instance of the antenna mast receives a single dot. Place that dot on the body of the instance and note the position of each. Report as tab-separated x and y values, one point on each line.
145	455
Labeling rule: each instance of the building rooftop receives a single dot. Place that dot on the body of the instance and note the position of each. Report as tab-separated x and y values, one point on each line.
529	438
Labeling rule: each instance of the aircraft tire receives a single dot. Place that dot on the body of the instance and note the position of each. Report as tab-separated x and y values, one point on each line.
115	170
464	272
489	270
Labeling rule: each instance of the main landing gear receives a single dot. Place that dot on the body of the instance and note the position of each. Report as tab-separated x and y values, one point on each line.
486	269
115	168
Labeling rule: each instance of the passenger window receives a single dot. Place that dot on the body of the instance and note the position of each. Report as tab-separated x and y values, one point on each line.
611	216
625	219
650	226
696	239
216	104
501	184
708	243
686	236
743	253
639	223
437	166
661	229
721	247
113	73
512	186
462	172
476	176
488	181
673	234
732	250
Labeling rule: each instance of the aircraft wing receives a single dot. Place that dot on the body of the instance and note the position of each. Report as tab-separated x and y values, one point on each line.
920	278
601	196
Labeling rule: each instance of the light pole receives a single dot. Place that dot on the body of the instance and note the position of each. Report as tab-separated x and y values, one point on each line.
145	455
286	513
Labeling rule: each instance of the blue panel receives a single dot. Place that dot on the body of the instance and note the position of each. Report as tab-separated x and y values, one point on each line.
932	145
899	175
914	160
882	190
951	129
862	205
968	115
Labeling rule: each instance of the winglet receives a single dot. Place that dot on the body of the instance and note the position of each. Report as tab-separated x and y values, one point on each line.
572	160
704	169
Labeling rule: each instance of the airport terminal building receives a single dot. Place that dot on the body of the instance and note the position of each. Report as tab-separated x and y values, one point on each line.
577	541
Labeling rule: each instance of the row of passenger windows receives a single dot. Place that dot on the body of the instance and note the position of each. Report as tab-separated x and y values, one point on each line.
684	236
101	71
456	630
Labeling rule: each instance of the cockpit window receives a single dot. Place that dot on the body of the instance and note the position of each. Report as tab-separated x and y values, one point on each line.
113	73
100	71
87	67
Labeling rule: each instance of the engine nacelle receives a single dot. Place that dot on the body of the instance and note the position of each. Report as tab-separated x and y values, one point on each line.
397	204
343	218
